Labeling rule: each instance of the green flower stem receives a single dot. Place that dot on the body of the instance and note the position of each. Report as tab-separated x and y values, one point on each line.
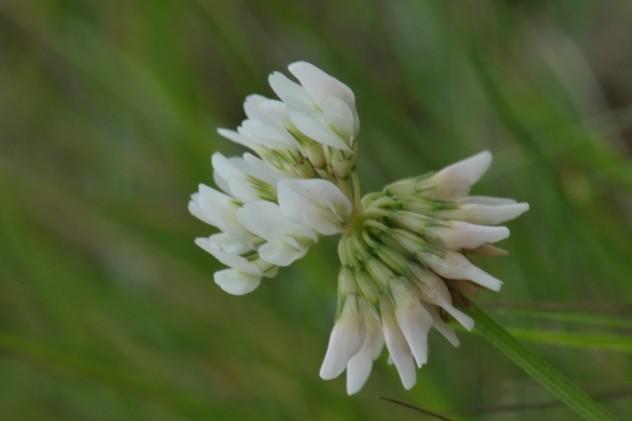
537	368
357	194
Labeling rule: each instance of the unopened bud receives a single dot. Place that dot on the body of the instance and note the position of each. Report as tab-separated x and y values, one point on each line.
301	168
346	282
402	187
411	221
367	286
392	259
409	241
417	204
342	164
358	250
379	271
315	154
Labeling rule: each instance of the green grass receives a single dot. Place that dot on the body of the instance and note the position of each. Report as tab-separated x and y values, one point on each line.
107	123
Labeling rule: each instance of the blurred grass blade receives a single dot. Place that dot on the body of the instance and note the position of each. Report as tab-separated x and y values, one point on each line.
121	379
571	317
538	369
590	340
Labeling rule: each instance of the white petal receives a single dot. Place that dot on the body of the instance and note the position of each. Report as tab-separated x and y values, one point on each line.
281	253
237	138
268	111
229	243
435	291
442	327
455	181
266	220
251	106
221	182
485	214
315	203
231	179
290	92
346	338
236	283
274	137
268	136
397	346
195	209
321	85
360	365
463	235
236	175
234	261
414	321
242	171
338	116
463	319
224	166
262	170
219	210
454	265
487	200
308	124
358	371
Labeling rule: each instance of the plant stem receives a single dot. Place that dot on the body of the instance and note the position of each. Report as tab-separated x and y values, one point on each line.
538	369
357	194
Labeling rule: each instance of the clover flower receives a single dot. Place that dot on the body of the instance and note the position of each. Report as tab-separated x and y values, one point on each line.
402	250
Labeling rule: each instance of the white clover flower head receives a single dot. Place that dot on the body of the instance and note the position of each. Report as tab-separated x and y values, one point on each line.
402	250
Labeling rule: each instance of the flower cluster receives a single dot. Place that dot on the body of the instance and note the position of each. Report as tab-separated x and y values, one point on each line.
401	249
273	207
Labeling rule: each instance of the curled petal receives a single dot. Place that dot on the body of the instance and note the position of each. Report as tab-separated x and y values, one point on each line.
248	178
237	137
196	210
246	166
454	265
217	209
413	319
286	240
222	182
463	235
435	291
345	340
397	346
455	181
488	200
290	92
265	110
271	136
229	243
234	261
442	327
315	203
320	85
268	136
312	127
487	250
229	177
338	116
251	106
485	214
266	220
360	365
235	282
260	169
281	253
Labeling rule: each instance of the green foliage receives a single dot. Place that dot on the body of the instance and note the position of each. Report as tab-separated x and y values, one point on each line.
108	113
538	369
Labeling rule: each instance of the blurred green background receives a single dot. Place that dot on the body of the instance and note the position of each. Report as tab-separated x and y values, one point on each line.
108	113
